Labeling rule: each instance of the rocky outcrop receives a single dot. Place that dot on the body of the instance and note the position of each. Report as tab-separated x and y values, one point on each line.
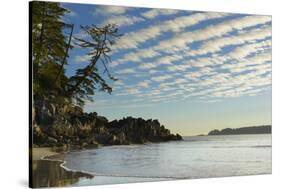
79	129
138	130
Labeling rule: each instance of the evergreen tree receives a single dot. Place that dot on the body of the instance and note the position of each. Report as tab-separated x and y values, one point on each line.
53	91
48	50
86	80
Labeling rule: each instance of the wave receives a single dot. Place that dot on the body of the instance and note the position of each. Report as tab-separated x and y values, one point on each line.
194	140
262	146
255	146
138	176
62	165
93	174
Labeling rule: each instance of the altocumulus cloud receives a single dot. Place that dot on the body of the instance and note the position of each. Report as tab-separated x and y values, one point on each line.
173	55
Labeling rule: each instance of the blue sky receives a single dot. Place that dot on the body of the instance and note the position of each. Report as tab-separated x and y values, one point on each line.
194	71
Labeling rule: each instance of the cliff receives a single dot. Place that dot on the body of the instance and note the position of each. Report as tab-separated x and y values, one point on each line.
243	130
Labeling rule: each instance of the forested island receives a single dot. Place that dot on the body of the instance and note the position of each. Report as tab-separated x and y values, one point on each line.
264	129
58	98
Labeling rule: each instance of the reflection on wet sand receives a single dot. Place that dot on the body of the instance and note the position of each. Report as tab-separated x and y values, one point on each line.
51	174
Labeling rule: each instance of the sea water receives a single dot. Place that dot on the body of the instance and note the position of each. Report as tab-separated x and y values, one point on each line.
194	157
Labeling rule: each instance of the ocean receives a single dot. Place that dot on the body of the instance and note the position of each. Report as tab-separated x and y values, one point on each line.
194	157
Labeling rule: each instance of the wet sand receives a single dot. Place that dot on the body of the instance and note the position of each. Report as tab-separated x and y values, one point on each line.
38	153
48	171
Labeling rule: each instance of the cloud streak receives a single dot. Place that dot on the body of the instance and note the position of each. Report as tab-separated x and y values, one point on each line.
134	39
153	13
170	56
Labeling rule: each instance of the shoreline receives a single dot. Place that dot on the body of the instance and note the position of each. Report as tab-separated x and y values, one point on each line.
48	153
45	155
42	158
55	157
39	153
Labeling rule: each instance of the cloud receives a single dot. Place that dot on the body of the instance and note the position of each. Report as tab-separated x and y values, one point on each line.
144	84
147	66
116	15
216	45
72	13
165	60
136	56
119	82
153	13
134	39
246	50
213	31
161	78
82	58
168	61
122	20
209	83
132	91
180	67
110	10
228	85
127	71
179	42
247	63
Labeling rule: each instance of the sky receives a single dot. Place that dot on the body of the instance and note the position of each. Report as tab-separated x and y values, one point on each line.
193	71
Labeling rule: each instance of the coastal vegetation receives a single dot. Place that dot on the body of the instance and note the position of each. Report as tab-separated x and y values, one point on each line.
264	129
58	98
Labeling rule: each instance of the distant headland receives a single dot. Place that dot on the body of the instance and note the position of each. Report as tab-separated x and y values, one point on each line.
263	129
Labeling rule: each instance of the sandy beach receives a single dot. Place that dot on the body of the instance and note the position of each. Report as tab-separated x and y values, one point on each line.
39	153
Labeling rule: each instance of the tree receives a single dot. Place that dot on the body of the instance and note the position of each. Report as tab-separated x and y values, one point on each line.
48	41
49	53
86	80
53	90
48	50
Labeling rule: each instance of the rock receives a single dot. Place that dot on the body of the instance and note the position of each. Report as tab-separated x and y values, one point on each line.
101	121
102	138
179	137
77	111
84	144
52	141
92	146
77	128
122	138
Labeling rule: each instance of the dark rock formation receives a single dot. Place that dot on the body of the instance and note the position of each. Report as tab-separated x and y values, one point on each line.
243	130
80	129
138	130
